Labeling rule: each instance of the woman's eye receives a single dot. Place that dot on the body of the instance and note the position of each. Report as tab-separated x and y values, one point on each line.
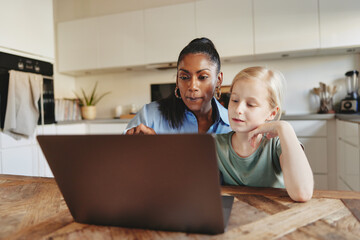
183	77
203	77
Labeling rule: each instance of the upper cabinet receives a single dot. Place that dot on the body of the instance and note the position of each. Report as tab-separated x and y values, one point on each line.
230	28
339	23
28	26
104	42
77	45
285	25
167	31
238	28
121	40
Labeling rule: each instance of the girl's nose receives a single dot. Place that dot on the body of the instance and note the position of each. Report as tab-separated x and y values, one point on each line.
240	108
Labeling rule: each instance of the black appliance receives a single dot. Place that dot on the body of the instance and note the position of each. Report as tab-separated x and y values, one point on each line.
19	63
351	102
163	90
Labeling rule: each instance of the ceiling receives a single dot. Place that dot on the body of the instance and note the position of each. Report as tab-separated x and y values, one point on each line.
67	10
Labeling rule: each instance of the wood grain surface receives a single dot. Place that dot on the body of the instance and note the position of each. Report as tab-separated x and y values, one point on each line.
33	208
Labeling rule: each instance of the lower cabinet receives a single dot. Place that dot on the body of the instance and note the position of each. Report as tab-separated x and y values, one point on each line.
109	128
25	157
317	137
348	156
20	161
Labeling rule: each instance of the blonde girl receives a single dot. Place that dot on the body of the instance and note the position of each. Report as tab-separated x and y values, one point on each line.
261	150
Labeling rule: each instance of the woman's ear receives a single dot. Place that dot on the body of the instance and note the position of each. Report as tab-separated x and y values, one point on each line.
219	79
273	113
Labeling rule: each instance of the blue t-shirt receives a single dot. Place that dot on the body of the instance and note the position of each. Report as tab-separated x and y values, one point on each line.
151	116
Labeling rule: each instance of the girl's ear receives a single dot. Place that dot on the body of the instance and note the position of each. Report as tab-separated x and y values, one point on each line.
273	113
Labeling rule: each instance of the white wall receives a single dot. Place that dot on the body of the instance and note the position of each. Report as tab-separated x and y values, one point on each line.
302	74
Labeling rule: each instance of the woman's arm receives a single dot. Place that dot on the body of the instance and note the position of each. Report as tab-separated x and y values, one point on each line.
298	176
140	123
140	129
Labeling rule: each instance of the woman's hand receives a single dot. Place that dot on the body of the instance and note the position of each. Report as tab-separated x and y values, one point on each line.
141	129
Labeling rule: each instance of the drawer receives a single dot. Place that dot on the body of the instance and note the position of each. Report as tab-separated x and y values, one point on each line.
20	161
309	128
113	128
8	142
71	129
350	132
342	186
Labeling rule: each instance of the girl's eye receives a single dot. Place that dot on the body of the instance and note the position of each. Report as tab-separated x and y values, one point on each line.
234	100
251	105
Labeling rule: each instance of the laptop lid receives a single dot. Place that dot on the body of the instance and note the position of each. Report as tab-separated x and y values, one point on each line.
161	182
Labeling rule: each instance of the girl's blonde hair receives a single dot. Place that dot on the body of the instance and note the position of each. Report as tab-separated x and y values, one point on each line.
273	79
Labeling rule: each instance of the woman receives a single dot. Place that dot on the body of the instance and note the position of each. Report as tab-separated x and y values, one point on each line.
192	108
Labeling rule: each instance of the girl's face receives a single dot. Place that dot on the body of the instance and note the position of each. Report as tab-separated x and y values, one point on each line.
197	79
249	106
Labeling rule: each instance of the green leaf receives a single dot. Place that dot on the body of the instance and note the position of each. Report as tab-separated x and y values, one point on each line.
99	98
91	100
86	99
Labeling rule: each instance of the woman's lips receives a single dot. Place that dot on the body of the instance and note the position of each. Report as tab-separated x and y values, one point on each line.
193	99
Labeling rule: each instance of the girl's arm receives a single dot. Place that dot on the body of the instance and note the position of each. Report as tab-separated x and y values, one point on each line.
298	176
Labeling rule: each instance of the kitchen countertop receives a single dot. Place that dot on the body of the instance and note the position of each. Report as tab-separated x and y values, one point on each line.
97	121
33	208
311	116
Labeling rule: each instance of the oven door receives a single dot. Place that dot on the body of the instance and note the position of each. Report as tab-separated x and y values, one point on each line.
48	100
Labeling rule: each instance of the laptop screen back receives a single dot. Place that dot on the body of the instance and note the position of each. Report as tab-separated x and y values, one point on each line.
162	182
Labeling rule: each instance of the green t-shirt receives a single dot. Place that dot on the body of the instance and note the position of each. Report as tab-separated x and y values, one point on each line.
260	169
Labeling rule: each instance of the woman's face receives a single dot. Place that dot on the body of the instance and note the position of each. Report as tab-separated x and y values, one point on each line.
197	80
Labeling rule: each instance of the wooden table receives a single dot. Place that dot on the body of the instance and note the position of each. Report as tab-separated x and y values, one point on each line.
33	208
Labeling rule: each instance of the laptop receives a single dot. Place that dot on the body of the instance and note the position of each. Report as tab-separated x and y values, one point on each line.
159	182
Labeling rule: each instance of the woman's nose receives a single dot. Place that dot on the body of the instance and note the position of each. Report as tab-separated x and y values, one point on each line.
193	84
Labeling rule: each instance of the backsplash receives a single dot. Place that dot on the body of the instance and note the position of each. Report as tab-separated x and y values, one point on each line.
301	74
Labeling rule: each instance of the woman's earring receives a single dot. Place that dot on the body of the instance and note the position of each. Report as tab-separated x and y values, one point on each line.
218	92
176	93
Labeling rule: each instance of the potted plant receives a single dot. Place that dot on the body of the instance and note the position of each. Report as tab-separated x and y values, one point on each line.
88	103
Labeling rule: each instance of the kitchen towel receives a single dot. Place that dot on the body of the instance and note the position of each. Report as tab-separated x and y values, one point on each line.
22	112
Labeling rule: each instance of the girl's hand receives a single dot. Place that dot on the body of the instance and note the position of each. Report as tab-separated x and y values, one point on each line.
141	129
270	129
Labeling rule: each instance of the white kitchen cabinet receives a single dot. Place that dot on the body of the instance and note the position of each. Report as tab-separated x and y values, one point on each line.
121	40
339	23
231	28
7	141
27	26
167	31
348	155
71	129
77	45
320	149
20	161
285	25
106	128
103	42
43	166
316	151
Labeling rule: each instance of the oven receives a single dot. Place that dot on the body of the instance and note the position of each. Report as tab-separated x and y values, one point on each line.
46	103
